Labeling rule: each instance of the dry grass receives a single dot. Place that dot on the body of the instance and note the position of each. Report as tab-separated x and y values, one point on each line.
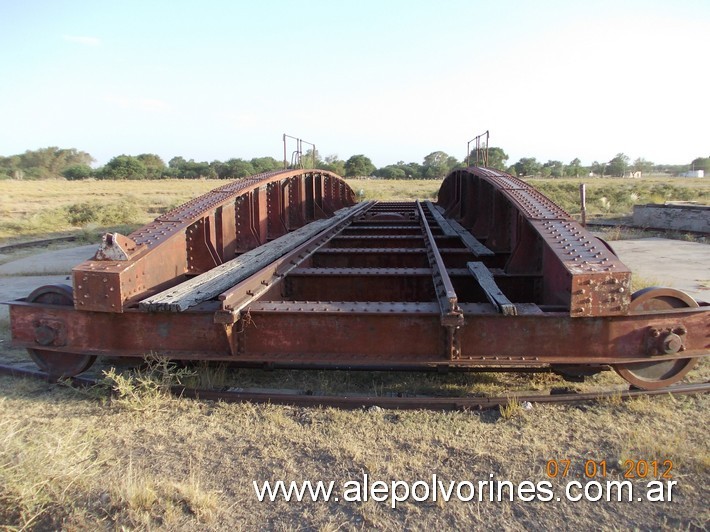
24	211
75	462
395	189
639	282
616	197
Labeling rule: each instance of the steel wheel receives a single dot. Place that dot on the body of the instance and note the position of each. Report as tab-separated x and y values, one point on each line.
55	363
653	375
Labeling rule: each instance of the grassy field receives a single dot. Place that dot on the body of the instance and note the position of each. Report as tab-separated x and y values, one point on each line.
144	461
141	460
35	209
616	197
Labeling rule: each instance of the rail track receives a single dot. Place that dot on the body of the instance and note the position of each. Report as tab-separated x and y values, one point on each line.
398	401
285	269
6	248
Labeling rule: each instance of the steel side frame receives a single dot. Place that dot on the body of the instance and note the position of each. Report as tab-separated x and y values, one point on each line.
361	334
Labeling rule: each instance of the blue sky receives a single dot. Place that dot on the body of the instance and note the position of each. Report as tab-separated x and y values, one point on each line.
394	80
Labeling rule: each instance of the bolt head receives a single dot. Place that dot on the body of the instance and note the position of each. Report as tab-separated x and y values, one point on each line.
672	343
45	335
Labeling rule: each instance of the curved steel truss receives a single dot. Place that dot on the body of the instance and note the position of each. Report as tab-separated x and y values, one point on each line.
204	233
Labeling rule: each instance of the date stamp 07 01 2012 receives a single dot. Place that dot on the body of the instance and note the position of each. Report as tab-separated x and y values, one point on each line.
631	469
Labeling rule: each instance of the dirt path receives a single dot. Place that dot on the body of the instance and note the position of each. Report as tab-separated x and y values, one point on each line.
672	263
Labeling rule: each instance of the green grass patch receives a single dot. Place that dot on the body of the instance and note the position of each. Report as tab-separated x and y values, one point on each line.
615	197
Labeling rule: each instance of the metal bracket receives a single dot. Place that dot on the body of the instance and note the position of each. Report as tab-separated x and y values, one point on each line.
115	246
665	341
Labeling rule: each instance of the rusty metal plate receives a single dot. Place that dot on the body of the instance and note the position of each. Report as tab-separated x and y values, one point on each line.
581	252
536	206
188	211
325	272
156	232
600	284
351	307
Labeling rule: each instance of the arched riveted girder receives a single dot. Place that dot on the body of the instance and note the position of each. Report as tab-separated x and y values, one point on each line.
534	236
203	233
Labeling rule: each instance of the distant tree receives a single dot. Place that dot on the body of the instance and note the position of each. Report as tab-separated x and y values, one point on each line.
236	169
359	165
553	169
10	167
176	162
598	168
574	168
672	169
154	165
411	170
496	158
618	165
642	165
265	164
333	164
527	166
218	167
391	172
43	163
199	170
401	170
179	168
50	162
78	171
438	164
123	167
308	160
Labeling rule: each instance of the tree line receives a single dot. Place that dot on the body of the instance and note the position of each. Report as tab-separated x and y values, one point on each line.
72	164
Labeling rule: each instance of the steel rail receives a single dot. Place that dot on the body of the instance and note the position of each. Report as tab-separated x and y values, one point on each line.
451	314
394	402
446	295
37	243
236	298
404	402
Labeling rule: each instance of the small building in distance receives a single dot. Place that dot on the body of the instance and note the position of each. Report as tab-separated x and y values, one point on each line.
693	173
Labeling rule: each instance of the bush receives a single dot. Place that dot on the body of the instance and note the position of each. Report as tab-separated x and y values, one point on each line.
123	167
122	212
78	171
147	388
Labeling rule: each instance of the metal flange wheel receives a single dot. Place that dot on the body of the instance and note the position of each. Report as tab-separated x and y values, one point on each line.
56	363
659	374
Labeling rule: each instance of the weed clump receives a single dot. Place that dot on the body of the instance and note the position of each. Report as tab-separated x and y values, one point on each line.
94	212
513	408
148	387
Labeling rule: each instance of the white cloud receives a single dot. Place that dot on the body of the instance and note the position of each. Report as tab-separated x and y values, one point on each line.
82	39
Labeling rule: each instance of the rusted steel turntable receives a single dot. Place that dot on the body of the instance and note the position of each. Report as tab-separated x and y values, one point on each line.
286	269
